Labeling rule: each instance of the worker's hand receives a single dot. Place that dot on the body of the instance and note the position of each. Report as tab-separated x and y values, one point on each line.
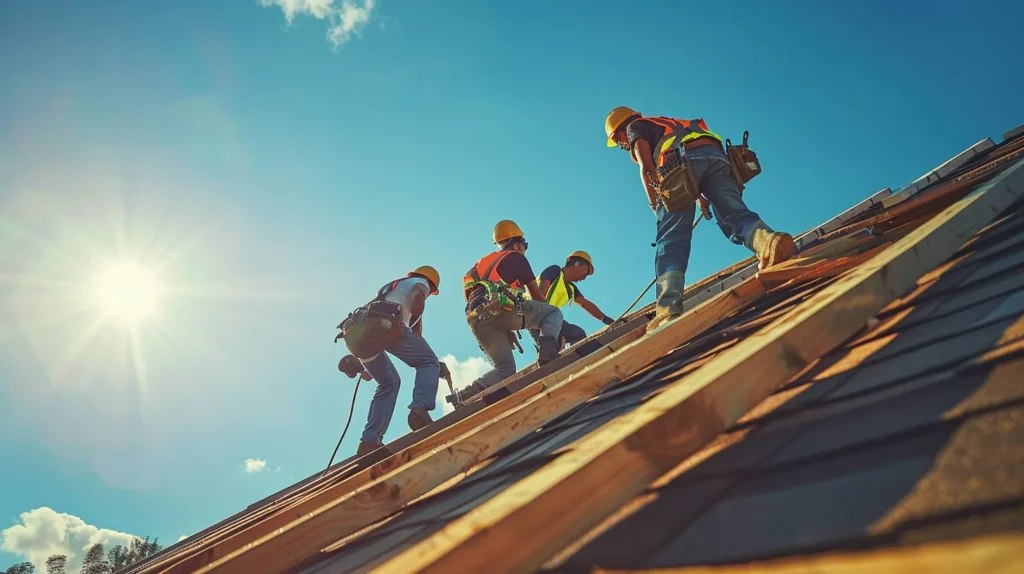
445	373
705	207
514	341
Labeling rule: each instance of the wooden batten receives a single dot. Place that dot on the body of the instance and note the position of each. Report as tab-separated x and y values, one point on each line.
357	501
517	530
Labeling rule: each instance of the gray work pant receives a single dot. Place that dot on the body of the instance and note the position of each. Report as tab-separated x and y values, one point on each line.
492	335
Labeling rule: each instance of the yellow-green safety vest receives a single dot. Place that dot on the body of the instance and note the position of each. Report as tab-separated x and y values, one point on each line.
560	293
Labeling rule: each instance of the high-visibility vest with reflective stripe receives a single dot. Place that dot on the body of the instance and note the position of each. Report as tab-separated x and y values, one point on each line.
678	133
486	270
560	293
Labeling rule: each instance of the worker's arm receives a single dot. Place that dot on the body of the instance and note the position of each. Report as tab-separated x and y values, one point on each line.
593	310
642	152
545	285
419	302
535	291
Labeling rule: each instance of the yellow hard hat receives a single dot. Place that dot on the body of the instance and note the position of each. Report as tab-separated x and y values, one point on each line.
431	275
582	255
614	121
506	229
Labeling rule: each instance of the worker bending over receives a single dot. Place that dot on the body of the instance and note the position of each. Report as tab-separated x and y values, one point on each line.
658	145
392	323
559	282
496	307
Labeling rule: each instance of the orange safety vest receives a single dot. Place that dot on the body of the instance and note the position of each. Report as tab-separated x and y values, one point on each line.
486	270
678	133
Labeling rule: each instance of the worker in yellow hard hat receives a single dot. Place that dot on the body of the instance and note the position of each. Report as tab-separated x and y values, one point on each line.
496	306
659	145
371	342
559	282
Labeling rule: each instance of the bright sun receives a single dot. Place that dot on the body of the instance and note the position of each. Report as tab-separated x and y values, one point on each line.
127	292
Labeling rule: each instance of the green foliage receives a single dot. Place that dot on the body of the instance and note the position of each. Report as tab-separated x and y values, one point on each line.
95	561
121	557
56	564
23	568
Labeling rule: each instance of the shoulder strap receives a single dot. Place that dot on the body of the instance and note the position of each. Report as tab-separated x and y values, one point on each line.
494	264
383	291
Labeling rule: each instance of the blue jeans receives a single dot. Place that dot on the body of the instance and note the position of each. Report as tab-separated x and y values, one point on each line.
571	333
713	174
414	351
492	336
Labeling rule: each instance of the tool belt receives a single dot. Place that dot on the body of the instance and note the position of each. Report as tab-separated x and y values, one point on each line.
677	188
496	300
372	328
745	165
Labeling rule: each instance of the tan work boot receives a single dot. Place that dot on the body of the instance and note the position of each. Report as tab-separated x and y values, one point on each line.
419	418
771	247
669	297
366	448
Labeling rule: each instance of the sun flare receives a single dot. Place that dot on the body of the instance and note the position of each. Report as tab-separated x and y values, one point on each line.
127	292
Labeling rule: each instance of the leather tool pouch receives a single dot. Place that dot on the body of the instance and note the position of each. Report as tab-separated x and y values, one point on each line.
678	189
497	301
745	165
372	328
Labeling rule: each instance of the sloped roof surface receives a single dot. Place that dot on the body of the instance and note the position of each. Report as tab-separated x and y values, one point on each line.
908	432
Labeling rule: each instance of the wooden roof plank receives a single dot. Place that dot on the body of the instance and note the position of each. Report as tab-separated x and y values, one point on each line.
519	528
343	510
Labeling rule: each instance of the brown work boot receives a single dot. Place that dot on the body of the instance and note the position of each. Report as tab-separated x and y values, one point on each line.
771	247
366	448
547	351
419	418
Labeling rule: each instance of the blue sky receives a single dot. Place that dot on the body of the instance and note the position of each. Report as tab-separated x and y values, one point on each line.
272	181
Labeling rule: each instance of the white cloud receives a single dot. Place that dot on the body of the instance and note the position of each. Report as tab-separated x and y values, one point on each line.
182	537
43	532
253	465
344	18
463	373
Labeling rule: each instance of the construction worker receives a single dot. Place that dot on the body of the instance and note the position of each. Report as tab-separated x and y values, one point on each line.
412	349
559	282
651	141
496	308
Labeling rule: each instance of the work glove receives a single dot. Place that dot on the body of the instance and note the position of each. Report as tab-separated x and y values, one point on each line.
705	207
445	373
514	341
607	320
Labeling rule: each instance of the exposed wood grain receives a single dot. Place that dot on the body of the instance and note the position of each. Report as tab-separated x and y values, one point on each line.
389	488
535	517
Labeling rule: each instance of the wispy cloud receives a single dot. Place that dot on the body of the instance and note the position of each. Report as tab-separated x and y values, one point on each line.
254	465
43	532
463	373
344	18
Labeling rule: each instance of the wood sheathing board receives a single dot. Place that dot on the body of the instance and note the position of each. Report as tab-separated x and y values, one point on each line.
430	514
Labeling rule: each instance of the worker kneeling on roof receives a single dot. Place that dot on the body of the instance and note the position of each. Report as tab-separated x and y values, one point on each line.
392	323
496	307
681	163
559	282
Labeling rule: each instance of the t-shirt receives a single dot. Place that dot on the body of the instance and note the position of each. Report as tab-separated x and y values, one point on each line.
515	267
551	274
403	292
512	267
648	131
